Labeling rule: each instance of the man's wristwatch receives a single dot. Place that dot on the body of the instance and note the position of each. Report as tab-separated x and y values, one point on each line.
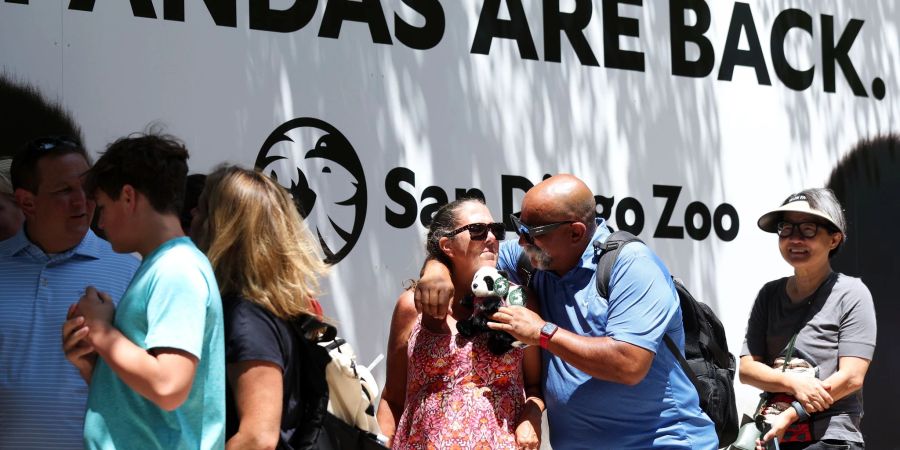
547	332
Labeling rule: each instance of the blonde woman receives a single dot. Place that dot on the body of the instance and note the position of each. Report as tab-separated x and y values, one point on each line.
267	264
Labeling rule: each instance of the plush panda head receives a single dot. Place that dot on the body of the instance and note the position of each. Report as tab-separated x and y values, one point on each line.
489	282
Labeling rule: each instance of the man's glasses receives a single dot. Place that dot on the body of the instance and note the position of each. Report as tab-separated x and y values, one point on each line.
479	231
46	144
807	229
529	233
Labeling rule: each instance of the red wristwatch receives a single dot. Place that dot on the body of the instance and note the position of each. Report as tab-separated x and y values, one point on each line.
547	332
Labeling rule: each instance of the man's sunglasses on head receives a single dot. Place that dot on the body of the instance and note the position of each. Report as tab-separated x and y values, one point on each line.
479	231
46	144
529	232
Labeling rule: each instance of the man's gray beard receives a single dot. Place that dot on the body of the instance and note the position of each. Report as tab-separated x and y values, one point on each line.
541	258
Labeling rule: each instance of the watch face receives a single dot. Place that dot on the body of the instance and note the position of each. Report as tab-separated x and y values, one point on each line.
548	329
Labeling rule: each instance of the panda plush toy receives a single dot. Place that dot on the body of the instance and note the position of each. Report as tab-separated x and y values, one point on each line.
490	290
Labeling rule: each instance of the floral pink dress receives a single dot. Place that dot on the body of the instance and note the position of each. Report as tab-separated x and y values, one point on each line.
459	395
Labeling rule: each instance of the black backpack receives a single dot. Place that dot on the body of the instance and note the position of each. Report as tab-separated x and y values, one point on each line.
706	362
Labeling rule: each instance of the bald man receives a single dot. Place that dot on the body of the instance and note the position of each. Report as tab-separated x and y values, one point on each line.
608	379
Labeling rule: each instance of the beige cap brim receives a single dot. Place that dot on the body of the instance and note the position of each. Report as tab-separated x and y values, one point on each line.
769	221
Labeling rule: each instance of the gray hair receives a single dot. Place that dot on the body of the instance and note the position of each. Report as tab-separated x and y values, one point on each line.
824	200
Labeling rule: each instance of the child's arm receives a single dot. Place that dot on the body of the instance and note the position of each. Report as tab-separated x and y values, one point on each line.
162	375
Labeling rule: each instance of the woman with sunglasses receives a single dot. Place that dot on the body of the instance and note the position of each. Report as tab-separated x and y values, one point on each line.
811	336
267	265
444	390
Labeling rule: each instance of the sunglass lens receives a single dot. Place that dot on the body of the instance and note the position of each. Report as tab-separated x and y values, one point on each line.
523	231
808	230
499	230
785	229
478	231
517	225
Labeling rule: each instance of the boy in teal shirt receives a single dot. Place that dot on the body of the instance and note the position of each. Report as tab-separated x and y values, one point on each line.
159	381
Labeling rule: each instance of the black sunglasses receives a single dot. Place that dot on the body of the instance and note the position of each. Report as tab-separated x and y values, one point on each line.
529	232
479	231
46	144
806	229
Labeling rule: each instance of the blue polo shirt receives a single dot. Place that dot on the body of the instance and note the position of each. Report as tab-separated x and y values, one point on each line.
42	396
662	411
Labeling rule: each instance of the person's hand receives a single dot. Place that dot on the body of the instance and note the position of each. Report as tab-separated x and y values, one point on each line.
79	352
779	426
522	323
527	436
811	392
97	308
434	290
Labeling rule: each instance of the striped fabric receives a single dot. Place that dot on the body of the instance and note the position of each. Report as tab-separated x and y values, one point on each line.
42	396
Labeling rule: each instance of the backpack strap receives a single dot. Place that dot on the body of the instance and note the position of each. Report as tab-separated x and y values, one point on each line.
810	312
608	252
311	328
683	362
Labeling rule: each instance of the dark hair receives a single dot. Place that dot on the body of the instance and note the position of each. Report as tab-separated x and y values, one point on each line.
193	189
443	222
153	164
24	173
28	115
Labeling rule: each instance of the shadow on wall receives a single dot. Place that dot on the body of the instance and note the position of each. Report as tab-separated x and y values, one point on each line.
27	115
867	182
534	116
528	117
874	54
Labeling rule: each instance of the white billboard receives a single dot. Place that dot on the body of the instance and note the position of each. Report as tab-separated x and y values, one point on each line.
688	118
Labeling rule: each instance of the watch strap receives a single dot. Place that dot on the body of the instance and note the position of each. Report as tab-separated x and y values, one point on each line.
547	332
